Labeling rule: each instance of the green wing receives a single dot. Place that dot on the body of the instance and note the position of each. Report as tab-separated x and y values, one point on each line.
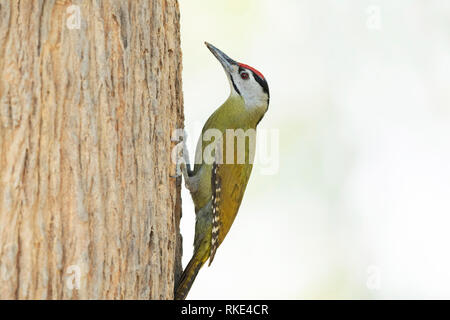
228	184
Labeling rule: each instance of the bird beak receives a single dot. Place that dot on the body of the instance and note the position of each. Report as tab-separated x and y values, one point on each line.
225	60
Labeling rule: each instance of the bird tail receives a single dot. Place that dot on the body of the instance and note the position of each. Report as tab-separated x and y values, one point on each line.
188	276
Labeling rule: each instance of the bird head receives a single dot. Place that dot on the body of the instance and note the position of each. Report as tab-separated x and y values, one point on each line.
244	80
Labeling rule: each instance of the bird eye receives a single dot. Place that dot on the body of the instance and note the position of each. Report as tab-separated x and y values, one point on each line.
244	75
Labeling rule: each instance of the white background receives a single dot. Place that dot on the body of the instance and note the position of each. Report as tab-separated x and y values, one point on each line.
360	205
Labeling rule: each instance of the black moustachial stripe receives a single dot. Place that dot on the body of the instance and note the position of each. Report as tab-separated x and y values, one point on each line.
234	86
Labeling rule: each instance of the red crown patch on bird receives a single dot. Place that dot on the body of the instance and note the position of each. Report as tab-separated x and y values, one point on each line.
253	69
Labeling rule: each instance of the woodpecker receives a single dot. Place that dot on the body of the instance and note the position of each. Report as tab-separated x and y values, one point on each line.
217	187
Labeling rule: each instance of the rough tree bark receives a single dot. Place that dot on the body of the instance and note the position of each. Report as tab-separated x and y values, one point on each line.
88	209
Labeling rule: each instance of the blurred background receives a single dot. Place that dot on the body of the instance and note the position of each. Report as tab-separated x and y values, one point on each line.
359	207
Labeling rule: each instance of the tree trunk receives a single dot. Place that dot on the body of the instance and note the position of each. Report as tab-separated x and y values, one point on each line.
90	92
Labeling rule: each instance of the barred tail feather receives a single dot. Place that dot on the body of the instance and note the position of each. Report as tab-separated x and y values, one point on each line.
188	277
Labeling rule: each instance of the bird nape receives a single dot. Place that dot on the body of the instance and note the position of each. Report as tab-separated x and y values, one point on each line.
217	182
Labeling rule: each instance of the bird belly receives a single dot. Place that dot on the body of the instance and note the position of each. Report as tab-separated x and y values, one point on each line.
203	193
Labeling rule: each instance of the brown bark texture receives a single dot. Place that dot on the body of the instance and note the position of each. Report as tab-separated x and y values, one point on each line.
90	92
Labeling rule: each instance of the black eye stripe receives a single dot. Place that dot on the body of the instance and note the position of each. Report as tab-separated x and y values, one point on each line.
262	82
